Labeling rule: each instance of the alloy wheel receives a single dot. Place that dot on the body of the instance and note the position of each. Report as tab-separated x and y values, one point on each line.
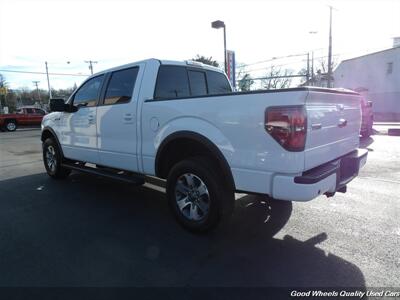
51	159
192	197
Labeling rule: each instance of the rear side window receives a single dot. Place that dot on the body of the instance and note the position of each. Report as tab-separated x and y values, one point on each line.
30	111
217	83
88	93
172	82
39	112
198	84
120	86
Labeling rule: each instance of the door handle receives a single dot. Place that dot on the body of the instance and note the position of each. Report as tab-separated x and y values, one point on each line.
316	126
342	123
91	119
128	117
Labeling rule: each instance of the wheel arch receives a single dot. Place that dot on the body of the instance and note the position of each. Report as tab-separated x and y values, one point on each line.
195	144
48	132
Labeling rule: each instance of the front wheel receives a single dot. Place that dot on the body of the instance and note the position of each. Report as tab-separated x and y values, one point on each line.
11	125
197	196
52	159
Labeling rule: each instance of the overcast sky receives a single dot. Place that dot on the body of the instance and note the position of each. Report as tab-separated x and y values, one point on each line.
115	32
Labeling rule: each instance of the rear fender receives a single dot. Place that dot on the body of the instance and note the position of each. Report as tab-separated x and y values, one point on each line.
198	126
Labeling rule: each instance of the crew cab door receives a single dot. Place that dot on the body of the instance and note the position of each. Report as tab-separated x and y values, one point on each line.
117	119
79	129
37	116
25	117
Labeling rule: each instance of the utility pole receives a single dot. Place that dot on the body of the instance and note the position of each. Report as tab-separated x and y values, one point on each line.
312	58
330	48
308	68
48	80
312	68
91	62
37	89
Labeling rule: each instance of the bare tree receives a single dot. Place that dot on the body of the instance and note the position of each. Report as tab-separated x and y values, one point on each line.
323	65
276	78
3	85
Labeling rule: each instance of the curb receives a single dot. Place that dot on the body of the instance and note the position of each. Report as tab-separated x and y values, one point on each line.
394	131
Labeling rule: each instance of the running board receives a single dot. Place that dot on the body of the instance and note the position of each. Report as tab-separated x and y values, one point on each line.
135	179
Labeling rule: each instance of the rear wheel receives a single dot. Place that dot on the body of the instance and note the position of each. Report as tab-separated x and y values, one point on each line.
197	196
52	159
11	125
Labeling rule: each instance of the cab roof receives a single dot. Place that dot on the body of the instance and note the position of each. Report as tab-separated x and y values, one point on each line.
190	63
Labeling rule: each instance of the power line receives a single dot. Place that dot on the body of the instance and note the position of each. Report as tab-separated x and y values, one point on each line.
269	67
44	73
273	77
286	64
278	57
272	59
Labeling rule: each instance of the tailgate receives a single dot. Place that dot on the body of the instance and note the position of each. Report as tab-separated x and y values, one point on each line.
333	127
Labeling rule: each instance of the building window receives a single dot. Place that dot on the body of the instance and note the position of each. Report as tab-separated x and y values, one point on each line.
389	68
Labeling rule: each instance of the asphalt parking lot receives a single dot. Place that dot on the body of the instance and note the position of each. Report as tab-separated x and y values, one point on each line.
89	231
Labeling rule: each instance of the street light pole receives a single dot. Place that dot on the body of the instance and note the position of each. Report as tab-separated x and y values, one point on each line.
220	24
225	60
330	48
48	80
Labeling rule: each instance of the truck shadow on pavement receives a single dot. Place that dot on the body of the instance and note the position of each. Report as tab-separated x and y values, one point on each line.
88	231
365	142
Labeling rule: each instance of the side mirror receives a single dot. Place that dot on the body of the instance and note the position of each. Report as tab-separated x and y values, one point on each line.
369	103
57	104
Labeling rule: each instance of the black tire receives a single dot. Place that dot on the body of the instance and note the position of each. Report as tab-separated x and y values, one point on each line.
10	125
220	197
54	171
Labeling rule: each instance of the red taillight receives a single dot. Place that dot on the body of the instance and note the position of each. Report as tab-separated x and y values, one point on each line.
287	125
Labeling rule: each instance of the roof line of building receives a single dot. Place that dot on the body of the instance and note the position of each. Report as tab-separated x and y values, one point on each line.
370	54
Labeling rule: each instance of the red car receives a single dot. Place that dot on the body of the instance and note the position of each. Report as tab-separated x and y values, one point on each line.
25	116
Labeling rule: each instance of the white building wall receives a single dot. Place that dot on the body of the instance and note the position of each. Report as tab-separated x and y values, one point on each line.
371	74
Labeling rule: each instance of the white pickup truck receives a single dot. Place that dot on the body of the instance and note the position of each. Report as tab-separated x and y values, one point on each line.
181	121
